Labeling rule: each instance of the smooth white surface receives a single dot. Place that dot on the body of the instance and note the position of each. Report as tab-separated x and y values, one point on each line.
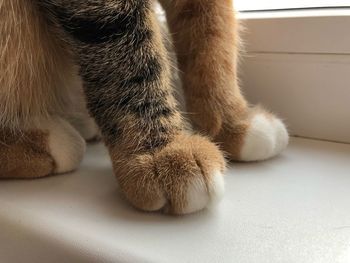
294	208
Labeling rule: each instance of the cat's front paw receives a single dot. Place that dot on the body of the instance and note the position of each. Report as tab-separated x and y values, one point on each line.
50	146
260	137
184	177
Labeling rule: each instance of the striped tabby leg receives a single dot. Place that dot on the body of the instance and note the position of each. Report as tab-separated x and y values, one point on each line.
126	78
206	40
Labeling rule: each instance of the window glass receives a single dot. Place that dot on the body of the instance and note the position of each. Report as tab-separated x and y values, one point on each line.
247	5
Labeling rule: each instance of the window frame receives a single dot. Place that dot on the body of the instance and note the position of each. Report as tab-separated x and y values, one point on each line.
297	63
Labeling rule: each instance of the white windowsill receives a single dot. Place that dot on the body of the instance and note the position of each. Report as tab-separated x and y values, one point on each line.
293	208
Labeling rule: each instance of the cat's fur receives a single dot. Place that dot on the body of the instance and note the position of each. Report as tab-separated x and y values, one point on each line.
118	49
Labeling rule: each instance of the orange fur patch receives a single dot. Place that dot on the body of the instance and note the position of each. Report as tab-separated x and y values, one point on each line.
24	155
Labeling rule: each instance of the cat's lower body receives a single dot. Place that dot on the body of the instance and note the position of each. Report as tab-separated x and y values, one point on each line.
159	163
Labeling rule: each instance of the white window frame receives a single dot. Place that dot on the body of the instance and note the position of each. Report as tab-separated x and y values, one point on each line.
297	63
251	5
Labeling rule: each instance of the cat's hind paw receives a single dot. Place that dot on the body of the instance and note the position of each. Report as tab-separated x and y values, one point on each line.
259	137
266	137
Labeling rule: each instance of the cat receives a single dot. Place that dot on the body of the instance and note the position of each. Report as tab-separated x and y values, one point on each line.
115	50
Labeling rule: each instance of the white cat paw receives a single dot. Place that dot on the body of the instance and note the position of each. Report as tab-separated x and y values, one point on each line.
65	144
266	137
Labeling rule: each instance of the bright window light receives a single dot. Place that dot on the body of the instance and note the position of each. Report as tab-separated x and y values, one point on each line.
246	5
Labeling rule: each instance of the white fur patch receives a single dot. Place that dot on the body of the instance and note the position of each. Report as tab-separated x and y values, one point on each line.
216	188
266	138
200	196
66	146
282	136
